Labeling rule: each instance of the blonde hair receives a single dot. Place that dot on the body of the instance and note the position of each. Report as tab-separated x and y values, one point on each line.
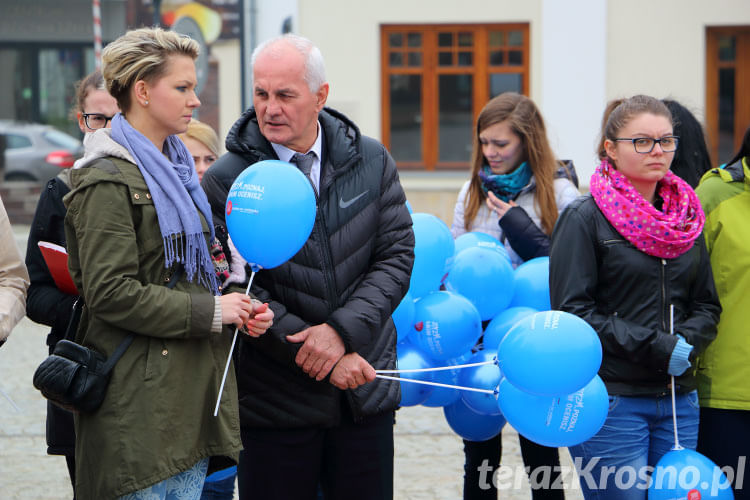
141	54
526	122
203	133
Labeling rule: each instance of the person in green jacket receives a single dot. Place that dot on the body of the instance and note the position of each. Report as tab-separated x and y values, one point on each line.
723	369
137	218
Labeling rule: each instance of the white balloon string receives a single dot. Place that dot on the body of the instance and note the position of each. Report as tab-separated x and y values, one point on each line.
434	369
13	404
674	405
425	382
231	350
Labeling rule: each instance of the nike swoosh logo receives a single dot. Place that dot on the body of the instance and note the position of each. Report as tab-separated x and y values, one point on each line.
346	204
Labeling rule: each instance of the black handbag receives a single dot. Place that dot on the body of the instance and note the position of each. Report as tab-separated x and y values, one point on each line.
75	377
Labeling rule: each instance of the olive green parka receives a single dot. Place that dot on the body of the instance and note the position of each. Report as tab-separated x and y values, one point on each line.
157	417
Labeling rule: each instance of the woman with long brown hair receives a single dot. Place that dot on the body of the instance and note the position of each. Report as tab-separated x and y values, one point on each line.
516	191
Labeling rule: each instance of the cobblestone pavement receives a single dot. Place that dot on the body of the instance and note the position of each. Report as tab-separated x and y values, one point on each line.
428	462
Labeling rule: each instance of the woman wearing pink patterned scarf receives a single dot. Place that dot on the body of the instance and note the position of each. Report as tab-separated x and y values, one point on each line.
620	258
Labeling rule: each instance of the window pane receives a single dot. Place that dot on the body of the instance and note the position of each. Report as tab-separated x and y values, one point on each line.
497	58
505	82
396	59
396	40
445	39
465	58
15	141
59	69
727	48
465	40
406	117
515	38
726	114
16	80
497	38
515	57
455	119
415	59
445	59
414	40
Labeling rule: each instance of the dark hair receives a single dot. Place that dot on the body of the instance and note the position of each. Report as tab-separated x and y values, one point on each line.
619	112
691	160
744	150
526	122
92	81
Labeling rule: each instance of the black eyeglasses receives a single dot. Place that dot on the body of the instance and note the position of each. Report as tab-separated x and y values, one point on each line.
96	121
645	145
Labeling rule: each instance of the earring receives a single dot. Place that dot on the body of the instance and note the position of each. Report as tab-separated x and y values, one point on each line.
145	103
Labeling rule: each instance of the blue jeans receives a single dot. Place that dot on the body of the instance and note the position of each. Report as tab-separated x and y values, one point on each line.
186	485
220	485
617	462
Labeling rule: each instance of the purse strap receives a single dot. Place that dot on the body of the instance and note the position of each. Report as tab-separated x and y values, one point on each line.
115	357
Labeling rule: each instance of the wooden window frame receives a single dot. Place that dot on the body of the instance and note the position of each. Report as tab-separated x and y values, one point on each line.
741	64
430	72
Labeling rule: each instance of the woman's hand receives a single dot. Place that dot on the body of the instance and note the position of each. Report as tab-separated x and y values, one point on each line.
236	309
498	206
260	319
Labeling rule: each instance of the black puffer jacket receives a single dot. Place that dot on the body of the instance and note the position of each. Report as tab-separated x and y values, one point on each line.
351	273
46	304
625	295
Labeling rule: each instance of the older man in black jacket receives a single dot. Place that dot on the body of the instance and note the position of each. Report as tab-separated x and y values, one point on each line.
311	410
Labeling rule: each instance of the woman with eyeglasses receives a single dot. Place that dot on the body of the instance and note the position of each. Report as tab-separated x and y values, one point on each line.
137	221
622	258
516	191
46	304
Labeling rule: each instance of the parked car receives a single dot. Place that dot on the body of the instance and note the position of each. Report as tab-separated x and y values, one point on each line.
36	152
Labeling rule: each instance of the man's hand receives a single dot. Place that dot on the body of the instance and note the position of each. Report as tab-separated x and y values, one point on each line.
321	350
352	371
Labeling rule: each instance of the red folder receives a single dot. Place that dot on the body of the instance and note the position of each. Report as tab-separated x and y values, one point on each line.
56	258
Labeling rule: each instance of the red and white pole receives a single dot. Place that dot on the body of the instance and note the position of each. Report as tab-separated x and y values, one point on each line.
97	34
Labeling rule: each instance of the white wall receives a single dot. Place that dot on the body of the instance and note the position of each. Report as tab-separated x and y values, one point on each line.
659	48
573	79
230	81
348	34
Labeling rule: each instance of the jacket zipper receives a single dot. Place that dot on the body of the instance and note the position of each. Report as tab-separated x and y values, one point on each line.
664	294
325	242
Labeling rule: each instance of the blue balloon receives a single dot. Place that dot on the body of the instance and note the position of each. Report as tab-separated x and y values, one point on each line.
270	212
484	277
471	425
550	353
532	284
481	377
478	239
403	317
447	325
556	420
444	396
433	254
502	323
688	474
409	358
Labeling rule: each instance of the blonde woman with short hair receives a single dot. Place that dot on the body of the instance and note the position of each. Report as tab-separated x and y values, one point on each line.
137	220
